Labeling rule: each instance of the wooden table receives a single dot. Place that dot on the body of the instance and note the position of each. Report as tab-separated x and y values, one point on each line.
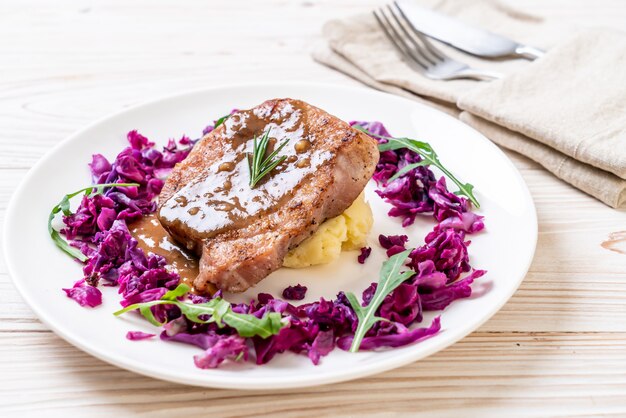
558	348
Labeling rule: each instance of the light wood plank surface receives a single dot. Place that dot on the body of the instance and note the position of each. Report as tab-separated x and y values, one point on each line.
558	348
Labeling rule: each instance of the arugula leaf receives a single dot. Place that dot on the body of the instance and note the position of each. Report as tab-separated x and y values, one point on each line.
407	168
215	310
220	121
390	279
64	206
180	291
429	156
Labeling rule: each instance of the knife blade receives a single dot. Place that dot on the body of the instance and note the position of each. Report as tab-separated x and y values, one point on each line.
462	36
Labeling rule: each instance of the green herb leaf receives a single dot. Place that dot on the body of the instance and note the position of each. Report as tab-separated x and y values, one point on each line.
406	169
220	121
180	291
64	206
147	313
390	279
215	310
258	164
429	157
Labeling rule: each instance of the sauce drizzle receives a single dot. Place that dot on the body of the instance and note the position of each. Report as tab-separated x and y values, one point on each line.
153	238
220	194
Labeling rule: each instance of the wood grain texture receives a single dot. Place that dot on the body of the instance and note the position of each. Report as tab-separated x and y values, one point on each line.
535	374
558	348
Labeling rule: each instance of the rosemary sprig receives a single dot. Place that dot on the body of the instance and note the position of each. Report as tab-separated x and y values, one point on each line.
258	164
64	206
429	157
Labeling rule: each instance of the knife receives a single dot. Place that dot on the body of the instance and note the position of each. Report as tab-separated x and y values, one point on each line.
462	36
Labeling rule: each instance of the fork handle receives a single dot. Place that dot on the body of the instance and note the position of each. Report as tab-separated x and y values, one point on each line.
478	74
529	52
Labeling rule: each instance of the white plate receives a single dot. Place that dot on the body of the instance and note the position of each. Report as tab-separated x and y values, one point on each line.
39	270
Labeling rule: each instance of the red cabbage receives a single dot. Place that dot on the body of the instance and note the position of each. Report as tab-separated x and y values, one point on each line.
402	336
365	253
446	203
138	163
374	127
403	305
203	340
322	345
441	297
447	250
467	222
297	292
138	335
428	277
231	347
95	213
297	338
407	194
84	294
336	314
394	244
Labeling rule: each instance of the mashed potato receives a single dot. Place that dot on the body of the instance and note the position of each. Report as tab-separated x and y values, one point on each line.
347	231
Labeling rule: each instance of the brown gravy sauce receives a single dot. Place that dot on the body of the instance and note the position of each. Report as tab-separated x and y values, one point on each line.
153	238
220	197
616	242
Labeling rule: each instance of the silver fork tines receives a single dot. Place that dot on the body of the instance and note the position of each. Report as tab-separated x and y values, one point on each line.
420	53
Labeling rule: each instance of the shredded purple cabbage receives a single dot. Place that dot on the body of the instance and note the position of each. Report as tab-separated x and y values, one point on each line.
448	252
84	294
442	266
399	337
139	163
98	227
231	347
297	292
138	335
365	253
394	244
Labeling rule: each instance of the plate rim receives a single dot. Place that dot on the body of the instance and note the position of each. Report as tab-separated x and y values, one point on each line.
256	383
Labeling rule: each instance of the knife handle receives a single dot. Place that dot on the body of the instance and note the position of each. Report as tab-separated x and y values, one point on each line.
529	52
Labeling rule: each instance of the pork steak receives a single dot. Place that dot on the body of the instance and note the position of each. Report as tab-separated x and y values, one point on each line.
242	234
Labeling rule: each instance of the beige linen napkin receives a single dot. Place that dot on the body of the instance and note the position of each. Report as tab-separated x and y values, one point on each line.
565	111
573	100
603	185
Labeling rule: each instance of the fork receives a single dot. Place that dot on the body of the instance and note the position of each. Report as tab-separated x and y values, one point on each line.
420	53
